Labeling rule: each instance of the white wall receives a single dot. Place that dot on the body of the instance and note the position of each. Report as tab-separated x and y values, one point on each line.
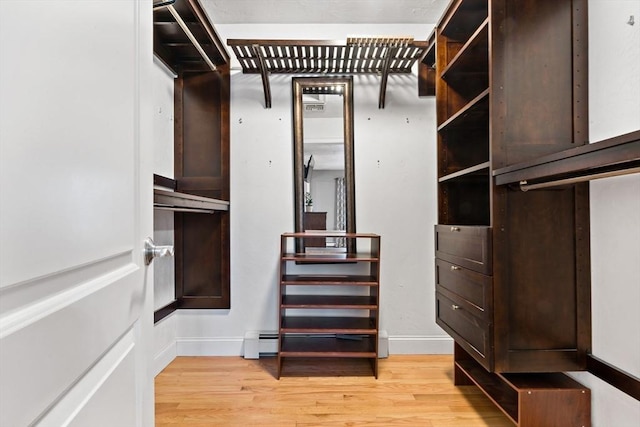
163	234
395	197
162	102
614	108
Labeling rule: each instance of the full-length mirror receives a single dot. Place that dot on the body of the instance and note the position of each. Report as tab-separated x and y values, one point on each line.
323	158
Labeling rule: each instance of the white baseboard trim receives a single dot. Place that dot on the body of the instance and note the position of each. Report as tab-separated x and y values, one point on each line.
420	344
212	346
255	343
162	359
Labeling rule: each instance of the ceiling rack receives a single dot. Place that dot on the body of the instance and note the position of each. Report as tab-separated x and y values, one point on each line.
358	55
184	39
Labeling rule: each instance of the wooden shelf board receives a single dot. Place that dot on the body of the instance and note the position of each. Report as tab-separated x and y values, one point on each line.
477	107
481	169
498	392
319	324
330	233
292	279
332	257
542	381
329	301
467	58
328	347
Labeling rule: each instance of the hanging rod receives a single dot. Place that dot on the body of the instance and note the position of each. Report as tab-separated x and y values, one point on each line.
169	5
524	186
187	210
175	200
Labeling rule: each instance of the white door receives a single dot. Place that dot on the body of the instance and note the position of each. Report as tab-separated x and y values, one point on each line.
75	206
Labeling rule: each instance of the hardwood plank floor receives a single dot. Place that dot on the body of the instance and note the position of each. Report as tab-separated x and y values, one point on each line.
231	391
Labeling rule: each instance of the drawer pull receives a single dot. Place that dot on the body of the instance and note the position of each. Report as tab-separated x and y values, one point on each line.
455	228
455	307
455	268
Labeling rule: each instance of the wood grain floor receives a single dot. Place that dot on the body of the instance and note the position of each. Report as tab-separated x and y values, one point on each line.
231	391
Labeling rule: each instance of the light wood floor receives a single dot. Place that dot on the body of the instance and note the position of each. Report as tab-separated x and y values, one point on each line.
231	391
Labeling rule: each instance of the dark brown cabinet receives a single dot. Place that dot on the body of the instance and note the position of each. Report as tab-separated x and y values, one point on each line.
202	90
511	86
350	291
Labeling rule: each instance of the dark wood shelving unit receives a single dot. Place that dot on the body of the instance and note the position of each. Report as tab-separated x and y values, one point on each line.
511	87
187	43
304	330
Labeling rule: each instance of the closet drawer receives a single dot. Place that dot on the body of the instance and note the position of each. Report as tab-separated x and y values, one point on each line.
470	285
466	246
468	330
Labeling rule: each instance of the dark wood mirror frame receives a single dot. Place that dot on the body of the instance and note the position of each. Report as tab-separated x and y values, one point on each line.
333	85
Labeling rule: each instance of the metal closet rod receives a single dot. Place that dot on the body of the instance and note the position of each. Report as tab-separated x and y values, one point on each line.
169	5
526	187
184	209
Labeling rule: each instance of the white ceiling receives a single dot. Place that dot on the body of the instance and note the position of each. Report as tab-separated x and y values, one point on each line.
324	11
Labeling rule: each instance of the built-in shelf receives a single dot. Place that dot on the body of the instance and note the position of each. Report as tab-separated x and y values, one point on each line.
475	111
472	56
480	169
462	17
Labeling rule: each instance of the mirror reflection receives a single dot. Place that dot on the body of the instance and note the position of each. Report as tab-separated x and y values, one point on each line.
323	148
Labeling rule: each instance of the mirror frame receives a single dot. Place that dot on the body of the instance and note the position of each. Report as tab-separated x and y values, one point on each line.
299	84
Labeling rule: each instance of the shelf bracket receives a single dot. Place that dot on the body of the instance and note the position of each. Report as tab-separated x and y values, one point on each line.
391	51
263	72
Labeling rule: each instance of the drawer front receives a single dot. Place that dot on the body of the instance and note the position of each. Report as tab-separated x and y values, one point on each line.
470	285
466	246
468	330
